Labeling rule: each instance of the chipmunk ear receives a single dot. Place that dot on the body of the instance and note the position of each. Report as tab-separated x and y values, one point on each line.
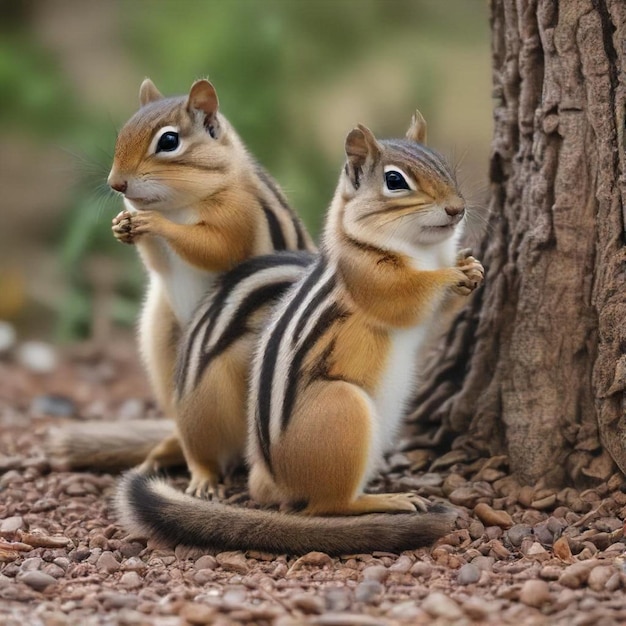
148	93
361	146
417	129
203	98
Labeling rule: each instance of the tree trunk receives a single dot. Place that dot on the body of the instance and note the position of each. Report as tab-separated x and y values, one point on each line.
535	365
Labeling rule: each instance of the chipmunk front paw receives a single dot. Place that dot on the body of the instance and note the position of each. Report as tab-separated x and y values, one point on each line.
473	273
127	227
121	227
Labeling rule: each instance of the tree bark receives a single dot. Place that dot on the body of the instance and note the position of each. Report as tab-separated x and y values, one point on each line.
535	365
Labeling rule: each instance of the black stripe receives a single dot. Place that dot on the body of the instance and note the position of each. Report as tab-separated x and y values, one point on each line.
324	322
386	256
301	240
276	232
226	285
423	154
271	185
238	324
311	306
268	364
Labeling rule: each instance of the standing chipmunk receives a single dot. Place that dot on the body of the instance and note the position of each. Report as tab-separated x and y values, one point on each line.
197	205
336	367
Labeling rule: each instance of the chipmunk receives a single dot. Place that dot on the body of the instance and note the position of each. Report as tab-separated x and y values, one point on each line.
336	367
197	204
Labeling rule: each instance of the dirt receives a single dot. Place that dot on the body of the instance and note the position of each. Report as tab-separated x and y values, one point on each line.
520	555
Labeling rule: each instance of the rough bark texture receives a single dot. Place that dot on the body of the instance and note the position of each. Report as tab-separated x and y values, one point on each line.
535	366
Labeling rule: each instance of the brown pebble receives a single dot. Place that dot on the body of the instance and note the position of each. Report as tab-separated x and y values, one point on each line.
464	496
526	495
107	562
198	614
346	619
490	517
438	604
375	572
562	550
37	580
535	593
131	580
538	552
599	576
476	529
206	561
232	562
468	574
575	575
308	603
402	565
422	569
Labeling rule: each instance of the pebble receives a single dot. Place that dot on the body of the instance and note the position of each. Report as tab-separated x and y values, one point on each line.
422	569
134	564
206	561
107	562
407	610
369	591
308	603
131	580
53	570
53	405
468	574
337	599
11	524
438	604
31	563
483	563
490	517
37	356
575	575
198	614
402	565
464	496
538	552
117	600
535	593
376	572
37	580
233	562
599	576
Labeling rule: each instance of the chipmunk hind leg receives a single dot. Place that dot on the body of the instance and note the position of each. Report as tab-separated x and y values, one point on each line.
212	421
323	456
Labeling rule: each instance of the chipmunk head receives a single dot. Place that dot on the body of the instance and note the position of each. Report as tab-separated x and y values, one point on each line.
397	193
173	151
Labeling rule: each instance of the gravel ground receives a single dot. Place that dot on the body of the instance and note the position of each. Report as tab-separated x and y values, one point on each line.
519	555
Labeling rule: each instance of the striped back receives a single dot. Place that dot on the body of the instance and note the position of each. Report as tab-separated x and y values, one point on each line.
224	316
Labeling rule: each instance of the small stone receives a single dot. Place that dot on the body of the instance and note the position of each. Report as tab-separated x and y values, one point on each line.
483	563
575	576
134	564
402	565
468	574
37	356
308	603
599	576
526	495
464	496
476	529
130	548
337	599
538	552
234	598
345	619
11	524
399	461
131	580
516	534
116	600
369	591
422	569
438	604
233	562
206	561
375	572
198	614
53	570
476	608
407	610
490	517
562	550
37	580
550	572
53	405
535	593
547	502
31	564
107	562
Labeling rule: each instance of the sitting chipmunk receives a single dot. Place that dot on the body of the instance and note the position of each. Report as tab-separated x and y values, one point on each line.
197	205
336	367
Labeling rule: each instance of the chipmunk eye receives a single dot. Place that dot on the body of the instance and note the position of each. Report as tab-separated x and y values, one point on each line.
395	181
168	142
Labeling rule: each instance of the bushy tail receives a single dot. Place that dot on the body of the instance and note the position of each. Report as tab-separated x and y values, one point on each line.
107	446
150	507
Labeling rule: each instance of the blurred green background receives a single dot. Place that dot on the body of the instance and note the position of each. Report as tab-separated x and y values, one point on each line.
293	76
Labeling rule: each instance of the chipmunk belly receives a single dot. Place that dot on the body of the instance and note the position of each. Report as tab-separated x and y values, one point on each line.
185	286
395	389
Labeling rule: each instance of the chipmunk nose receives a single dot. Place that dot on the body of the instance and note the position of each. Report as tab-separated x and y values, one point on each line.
120	186
453	211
